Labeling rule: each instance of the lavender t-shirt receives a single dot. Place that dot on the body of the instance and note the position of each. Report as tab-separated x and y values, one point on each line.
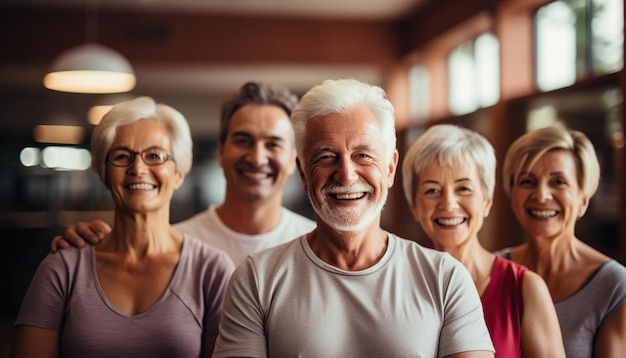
65	295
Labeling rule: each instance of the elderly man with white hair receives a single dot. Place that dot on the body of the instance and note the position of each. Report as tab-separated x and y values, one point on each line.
349	288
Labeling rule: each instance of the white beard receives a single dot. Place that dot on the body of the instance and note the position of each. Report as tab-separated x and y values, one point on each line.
347	219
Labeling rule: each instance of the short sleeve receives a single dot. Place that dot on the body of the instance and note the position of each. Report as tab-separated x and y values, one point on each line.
243	317
464	327
44	303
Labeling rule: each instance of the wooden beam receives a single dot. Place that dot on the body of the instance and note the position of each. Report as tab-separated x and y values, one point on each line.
28	35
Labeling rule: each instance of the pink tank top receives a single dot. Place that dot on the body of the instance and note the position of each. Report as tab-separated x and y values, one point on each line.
502	305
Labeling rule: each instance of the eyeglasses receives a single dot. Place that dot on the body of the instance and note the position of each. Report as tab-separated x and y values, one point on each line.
125	157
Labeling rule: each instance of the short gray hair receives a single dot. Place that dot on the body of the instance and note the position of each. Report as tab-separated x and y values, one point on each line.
446	144
141	108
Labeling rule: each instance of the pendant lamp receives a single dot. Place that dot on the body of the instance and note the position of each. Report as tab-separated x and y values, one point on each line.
90	68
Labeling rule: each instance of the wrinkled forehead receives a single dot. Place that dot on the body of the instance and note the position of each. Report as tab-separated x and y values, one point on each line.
343	134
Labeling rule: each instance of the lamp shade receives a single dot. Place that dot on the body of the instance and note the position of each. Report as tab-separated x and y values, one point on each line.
90	68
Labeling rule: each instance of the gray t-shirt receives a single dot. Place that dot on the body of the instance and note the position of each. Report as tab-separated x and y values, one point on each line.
415	302
65	295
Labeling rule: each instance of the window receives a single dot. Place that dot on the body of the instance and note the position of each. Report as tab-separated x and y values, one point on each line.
607	31
576	39
419	93
474	75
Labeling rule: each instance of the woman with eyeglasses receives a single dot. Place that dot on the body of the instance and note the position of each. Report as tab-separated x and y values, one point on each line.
146	290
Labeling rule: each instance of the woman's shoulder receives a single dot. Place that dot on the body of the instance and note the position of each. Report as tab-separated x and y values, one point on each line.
533	285
508	272
200	252
614	271
64	265
70	255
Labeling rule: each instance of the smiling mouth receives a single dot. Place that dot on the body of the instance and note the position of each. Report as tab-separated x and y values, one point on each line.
450	222
255	175
542	214
141	186
348	196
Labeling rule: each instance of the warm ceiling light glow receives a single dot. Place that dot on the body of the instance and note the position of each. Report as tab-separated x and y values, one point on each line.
90	68
45	133
95	114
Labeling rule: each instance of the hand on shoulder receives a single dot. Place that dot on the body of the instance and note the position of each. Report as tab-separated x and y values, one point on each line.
79	234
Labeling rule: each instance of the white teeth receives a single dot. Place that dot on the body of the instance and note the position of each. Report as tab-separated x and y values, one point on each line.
141	186
348	196
450	222
255	175
543	213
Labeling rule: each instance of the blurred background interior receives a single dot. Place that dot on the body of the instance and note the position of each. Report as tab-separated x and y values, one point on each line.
500	67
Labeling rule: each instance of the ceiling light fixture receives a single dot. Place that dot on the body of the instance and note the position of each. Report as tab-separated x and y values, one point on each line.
90	68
